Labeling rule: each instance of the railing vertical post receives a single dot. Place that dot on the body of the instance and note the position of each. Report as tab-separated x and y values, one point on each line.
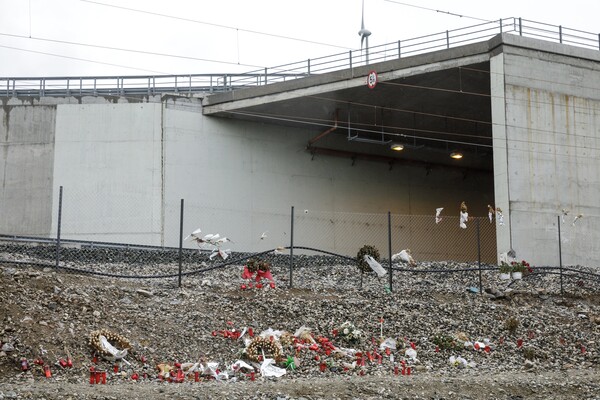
599	41
58	224
350	60
291	246
180	240
176	91
308	63
265	75
399	50
560	257
560	33
479	256
520	27
447	40
390	248
94	86
500	25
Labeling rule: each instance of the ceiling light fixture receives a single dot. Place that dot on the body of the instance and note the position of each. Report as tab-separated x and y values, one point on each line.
457	155
397	146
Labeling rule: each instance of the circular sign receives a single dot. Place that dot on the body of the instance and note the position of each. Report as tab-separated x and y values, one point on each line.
372	79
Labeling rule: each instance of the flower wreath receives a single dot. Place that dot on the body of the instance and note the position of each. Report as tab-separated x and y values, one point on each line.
258	345
113	338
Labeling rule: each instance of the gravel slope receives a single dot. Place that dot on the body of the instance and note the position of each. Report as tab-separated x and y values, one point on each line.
552	349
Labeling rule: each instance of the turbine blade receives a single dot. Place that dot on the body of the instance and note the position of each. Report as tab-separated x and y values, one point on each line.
362	22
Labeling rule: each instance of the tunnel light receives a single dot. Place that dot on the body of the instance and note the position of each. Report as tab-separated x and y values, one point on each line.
397	146
457	155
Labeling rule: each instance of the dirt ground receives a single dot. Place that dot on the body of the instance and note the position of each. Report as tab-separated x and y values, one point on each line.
50	314
546	385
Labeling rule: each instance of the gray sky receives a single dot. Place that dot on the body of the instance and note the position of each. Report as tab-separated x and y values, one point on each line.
72	37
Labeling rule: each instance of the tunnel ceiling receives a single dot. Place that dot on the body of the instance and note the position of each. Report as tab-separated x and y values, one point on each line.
431	114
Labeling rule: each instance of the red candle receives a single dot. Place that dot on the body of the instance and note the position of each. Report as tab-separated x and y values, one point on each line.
519	343
196	376
104	377
395	370
92	375
115	368
24	364
47	372
387	351
97	376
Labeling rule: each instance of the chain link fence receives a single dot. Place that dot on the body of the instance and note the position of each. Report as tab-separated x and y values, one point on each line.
293	242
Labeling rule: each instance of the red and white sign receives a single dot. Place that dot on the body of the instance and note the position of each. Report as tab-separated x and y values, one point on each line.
372	79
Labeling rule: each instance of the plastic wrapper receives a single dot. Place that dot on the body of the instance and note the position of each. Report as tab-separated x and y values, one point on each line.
375	266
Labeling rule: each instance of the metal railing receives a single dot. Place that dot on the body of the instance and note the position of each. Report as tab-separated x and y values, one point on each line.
210	83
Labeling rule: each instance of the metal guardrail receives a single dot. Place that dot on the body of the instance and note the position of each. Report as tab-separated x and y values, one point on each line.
210	83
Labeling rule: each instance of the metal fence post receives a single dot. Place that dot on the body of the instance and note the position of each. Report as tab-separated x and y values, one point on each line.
447	40
390	246
291	245
500	25
399	50
560	33
560	257
479	256
520	27
180	239
350	59
60	196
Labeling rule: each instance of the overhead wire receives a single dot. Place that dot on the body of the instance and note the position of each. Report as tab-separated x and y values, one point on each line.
437	11
215	25
152	53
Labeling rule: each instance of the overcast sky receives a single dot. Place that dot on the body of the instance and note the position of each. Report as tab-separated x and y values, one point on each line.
72	37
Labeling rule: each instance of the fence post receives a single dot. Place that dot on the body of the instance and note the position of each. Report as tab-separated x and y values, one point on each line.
520	27
60	196
350	60
500	25
180	239
390	246
447	40
560	33
291	246
560	257
399	50
479	255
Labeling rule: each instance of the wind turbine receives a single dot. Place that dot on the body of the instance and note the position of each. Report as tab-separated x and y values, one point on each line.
364	33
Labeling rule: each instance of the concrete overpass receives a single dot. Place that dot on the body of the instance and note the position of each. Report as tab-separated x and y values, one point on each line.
524	112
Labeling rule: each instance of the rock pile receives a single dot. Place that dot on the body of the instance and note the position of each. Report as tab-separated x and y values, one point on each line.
433	320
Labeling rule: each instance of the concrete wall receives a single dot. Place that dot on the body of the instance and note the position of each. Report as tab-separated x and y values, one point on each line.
547	151
26	160
126	163
240	179
108	158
